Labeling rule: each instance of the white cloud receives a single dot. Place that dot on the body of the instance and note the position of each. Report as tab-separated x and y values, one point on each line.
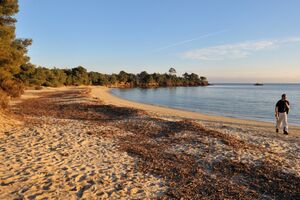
235	51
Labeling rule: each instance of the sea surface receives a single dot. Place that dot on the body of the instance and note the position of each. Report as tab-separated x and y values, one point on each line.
244	101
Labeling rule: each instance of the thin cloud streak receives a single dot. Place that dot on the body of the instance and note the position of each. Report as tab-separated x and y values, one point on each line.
236	51
191	40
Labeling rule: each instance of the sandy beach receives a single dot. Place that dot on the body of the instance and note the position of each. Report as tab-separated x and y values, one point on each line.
85	143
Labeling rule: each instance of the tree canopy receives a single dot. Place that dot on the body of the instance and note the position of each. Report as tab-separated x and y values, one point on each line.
42	76
12	50
172	71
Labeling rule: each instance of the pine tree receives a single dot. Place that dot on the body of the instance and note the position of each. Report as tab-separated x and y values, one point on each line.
12	50
172	71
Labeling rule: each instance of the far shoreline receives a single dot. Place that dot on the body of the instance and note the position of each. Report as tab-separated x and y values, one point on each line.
105	96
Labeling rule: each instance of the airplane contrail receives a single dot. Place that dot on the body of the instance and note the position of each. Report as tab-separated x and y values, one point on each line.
193	39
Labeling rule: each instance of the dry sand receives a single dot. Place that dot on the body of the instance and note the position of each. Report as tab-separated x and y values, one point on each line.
67	162
46	157
71	143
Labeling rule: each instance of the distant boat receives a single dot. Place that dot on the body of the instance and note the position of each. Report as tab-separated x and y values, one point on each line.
258	84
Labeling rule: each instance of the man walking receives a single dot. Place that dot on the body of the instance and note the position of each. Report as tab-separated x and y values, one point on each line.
281	112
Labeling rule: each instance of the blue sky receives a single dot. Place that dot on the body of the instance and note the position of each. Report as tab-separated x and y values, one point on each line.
227	41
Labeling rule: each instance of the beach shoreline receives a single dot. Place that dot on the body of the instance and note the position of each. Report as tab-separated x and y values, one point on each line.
83	142
105	96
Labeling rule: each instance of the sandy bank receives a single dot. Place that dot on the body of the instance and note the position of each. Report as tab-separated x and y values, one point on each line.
103	94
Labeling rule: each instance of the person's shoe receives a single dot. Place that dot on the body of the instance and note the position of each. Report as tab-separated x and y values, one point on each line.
277	130
285	133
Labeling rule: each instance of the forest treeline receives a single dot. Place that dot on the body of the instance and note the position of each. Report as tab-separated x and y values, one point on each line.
16	71
41	76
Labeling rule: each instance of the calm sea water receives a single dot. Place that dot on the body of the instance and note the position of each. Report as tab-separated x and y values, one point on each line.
231	100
